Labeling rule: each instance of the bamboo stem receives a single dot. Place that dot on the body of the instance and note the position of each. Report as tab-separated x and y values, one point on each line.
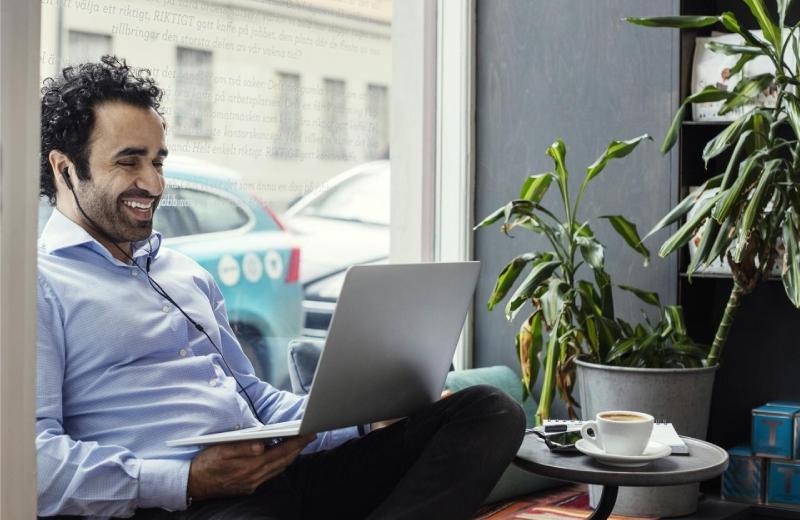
721	337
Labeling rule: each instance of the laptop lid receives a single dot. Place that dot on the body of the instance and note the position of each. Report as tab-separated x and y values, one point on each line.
390	344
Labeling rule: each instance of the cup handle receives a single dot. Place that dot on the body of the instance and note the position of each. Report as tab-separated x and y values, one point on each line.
590	433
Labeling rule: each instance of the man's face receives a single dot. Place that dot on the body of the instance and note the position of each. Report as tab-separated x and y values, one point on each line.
126	152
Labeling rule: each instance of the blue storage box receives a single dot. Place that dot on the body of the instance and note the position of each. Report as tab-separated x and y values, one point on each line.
745	478
783	483
775	430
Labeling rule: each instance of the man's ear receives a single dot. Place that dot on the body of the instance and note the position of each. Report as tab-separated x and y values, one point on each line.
61	166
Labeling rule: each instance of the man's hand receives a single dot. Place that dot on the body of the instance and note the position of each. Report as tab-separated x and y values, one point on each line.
238	468
388	422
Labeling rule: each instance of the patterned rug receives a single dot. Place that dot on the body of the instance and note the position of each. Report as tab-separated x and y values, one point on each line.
564	503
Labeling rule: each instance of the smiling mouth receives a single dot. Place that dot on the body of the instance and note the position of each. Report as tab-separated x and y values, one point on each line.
140	210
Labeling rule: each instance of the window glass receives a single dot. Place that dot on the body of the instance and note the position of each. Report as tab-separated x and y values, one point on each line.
264	103
211	213
333	140
361	198
193	93
377	127
84	46
288	137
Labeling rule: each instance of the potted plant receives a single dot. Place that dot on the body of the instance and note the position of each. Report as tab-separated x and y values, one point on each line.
572	327
740	213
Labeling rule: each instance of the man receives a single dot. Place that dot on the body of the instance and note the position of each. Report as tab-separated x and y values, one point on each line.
134	348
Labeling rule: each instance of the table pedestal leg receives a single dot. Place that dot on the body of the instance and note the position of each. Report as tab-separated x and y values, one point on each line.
608	498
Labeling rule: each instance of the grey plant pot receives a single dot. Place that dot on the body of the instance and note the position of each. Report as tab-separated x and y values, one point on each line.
679	396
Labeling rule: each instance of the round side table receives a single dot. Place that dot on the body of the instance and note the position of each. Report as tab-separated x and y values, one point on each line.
705	461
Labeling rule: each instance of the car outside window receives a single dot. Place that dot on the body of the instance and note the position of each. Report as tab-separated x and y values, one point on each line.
187	211
363	198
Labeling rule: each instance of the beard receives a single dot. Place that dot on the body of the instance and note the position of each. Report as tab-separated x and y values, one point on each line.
108	213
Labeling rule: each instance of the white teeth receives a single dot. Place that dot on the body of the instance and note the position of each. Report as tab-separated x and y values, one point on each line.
137	205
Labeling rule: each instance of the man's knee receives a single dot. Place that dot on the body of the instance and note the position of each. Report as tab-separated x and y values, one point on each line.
503	411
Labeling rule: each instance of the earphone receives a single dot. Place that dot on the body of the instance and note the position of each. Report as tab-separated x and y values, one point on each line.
155	285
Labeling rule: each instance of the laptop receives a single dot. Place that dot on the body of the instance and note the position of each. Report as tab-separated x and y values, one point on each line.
389	348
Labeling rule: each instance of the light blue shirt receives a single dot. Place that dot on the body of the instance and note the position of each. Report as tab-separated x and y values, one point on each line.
120	371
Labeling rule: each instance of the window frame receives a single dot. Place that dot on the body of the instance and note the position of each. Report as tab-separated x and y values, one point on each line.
20	24
432	137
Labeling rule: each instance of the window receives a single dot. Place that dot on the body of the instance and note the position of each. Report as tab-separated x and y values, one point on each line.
193	89
377	122
288	137
86	46
333	141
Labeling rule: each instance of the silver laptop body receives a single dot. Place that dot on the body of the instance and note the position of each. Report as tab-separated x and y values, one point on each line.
390	344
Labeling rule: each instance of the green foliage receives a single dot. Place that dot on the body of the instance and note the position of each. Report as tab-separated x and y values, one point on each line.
572	314
757	200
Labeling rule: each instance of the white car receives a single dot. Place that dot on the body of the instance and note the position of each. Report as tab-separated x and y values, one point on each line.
343	222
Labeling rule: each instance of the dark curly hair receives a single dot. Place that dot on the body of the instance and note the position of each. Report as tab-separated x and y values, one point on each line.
68	104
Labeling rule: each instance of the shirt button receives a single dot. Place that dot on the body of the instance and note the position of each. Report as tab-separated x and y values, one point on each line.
165	308
237	426
213	382
134	272
183	352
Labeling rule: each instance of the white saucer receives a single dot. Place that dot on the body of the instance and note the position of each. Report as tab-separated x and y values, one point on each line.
654	450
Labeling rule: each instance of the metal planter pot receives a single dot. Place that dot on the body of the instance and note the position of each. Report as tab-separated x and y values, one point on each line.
679	396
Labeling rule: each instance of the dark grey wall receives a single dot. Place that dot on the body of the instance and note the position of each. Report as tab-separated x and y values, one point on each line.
572	69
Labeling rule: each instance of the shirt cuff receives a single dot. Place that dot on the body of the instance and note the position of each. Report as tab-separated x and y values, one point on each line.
331	439
162	483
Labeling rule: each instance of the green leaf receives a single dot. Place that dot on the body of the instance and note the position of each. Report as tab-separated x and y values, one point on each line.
621	348
536	186
684	234
732	50
646	296
615	150
627	230
771	32
590	299
491	219
676	22
684	206
757	201
708	236
730	170
707	95
558	151
672	134
740	63
606	293
723	241
553	302
791	268
591	251
746	90
509	275
730	22
793	111
723	140
747	170
673	314
537	276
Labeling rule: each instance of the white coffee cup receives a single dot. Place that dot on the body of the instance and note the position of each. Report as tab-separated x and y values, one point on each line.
619	432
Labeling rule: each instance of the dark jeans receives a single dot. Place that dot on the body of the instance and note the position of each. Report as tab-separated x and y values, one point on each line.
440	463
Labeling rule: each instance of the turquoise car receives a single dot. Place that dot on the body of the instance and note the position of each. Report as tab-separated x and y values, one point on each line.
207	213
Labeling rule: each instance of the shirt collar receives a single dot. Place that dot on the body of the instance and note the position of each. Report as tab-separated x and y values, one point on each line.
62	233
